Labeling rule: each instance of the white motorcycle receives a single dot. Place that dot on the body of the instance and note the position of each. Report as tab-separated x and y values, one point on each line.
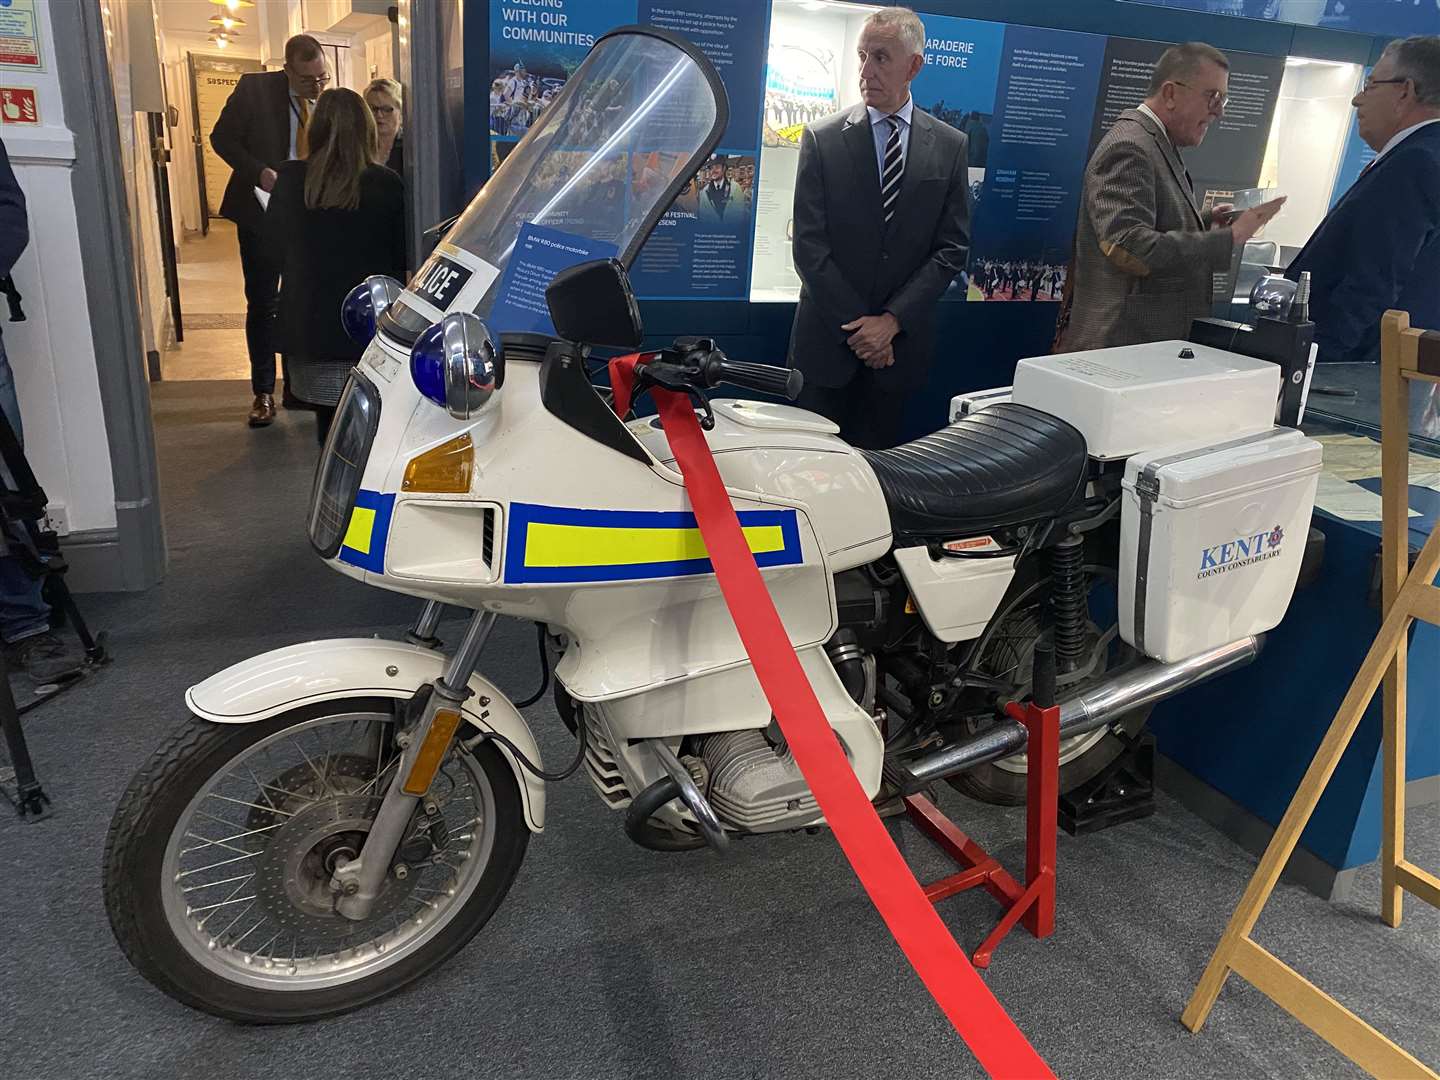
337	818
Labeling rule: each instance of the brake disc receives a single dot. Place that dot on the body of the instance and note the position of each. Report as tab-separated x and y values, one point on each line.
300	785
292	881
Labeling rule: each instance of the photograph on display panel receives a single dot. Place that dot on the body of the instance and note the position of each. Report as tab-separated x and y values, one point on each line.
534	50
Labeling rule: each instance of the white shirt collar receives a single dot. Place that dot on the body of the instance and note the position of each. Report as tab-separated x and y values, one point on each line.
1142	107
1401	136
904	112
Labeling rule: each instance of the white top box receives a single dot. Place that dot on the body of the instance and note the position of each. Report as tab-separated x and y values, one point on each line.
1130	398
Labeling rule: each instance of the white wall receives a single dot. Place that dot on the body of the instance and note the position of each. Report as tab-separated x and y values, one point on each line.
52	352
1312	119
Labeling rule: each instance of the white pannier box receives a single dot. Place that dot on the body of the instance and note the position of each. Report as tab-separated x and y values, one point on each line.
1120	398
1211	540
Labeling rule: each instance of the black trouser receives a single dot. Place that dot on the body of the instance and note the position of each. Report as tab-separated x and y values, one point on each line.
869	411
262	295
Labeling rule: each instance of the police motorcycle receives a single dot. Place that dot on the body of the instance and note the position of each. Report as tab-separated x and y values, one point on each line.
337	818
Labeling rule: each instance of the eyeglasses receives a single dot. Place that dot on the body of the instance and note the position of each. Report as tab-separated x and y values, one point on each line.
1216	99
382	110
312	80
1370	84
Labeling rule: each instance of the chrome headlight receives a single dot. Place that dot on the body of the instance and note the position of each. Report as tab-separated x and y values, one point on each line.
342	464
455	364
361	309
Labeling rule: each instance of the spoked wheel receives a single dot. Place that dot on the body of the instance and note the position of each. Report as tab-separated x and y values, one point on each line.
218	863
1009	654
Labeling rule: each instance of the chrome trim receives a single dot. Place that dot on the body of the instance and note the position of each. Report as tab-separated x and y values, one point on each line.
1144	684
697	804
470	368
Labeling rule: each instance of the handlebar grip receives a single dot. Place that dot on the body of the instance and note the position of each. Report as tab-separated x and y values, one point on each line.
763	378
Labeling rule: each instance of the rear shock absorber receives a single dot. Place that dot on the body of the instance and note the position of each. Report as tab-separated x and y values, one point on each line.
1068	602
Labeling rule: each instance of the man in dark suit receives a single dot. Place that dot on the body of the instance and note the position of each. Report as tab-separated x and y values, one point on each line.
1145	255
1379	247
263	124
882	226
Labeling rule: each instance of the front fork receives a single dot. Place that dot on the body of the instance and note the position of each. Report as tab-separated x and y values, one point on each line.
358	882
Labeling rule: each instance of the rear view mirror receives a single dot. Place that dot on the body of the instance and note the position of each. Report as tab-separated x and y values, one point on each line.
592	304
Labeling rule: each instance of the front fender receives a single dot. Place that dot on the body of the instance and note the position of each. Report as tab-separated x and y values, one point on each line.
316	671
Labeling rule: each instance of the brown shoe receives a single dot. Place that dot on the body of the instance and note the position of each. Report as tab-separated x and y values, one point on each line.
262	413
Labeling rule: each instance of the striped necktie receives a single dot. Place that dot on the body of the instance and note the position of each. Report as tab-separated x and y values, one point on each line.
893	170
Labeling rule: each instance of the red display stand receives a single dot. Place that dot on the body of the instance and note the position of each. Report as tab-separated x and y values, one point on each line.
1031	904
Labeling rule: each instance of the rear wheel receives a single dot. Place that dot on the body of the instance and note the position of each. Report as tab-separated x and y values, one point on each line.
219	857
1009	653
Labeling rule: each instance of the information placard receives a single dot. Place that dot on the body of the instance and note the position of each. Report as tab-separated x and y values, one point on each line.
540	254
20	35
1024	216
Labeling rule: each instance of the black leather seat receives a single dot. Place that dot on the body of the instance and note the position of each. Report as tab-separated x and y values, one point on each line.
1005	465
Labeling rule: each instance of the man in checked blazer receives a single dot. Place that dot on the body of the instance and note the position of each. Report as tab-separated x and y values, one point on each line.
1144	252
882	226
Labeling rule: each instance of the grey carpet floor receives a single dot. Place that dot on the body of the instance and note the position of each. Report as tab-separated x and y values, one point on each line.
607	960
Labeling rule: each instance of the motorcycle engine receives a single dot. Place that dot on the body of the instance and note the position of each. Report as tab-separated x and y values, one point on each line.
756	786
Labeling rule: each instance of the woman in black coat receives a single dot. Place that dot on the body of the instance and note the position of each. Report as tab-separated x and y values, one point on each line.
334	219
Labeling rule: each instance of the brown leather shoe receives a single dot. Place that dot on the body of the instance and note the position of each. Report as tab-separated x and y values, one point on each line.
262	413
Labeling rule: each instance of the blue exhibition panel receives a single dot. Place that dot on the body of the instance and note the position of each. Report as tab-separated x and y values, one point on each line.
979	343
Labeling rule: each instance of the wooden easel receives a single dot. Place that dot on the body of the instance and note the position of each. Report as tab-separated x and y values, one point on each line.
1406	355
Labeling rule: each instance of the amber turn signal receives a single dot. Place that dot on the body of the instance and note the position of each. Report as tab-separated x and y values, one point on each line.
446	469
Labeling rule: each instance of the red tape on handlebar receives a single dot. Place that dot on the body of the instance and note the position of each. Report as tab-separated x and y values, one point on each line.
1001	1048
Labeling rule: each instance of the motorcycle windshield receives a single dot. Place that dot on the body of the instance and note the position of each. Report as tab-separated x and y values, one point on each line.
599	165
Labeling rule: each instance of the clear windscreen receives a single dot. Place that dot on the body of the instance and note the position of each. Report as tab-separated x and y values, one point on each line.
589	180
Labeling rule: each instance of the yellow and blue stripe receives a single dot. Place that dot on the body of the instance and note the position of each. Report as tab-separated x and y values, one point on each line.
556	544
368	530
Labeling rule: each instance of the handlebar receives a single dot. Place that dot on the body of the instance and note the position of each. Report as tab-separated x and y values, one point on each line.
762	378
692	365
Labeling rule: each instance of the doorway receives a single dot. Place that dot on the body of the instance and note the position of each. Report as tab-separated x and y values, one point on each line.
202	335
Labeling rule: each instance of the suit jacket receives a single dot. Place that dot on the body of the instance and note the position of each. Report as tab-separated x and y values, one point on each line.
14	224
851	263
1144	254
252	133
1378	248
324	254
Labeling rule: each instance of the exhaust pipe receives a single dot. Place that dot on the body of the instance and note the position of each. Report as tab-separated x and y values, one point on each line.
1149	682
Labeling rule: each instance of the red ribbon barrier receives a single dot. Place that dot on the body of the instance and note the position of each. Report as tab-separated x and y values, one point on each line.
1001	1048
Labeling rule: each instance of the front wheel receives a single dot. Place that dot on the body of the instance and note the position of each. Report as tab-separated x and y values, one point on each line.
219	856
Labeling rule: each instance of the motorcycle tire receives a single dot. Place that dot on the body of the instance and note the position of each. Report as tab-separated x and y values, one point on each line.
1002	787
1005	784
150	810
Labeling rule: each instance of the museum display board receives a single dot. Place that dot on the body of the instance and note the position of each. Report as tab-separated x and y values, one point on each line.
1033	102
